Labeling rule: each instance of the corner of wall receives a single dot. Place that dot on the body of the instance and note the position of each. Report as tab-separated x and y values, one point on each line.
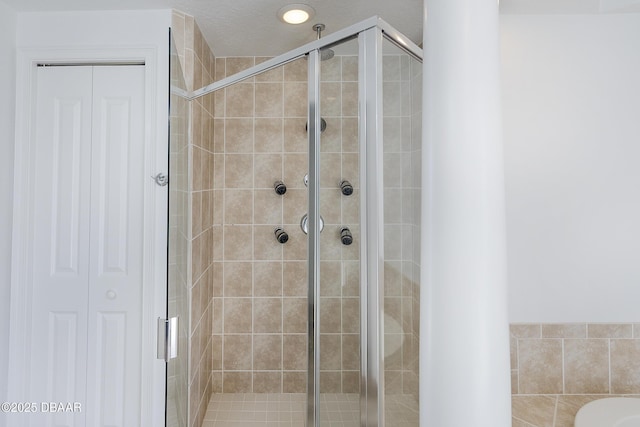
178	30
7	117
198	65
196	57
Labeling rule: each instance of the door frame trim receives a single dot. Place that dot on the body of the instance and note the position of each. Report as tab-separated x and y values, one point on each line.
152	412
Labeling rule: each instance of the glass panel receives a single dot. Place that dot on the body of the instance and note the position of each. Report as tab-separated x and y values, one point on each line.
339	303
402	145
259	271
179	225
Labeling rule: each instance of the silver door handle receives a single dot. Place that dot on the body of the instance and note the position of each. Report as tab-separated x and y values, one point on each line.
167	338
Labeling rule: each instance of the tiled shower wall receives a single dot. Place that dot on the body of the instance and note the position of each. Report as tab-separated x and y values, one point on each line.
260	285
198	64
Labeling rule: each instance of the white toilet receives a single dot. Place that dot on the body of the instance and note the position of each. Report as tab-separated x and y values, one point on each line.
609	412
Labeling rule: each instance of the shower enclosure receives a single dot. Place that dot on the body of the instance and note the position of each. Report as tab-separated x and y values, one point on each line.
294	236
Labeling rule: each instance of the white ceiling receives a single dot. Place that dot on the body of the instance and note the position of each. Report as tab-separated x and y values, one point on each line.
251	28
569	7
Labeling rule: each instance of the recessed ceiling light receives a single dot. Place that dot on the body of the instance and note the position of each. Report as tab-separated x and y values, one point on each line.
296	13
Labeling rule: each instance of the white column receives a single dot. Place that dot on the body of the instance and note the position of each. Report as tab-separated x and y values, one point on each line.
464	349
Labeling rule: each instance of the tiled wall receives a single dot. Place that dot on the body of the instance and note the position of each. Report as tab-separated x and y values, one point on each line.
198	64
556	368
260	291
196	58
575	358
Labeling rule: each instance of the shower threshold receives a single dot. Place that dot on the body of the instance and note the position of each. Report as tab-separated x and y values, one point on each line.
280	409
289	410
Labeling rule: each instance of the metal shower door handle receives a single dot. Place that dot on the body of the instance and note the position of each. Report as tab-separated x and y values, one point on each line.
167	345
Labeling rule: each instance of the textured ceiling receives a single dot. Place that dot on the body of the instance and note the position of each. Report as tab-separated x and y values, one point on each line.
251	28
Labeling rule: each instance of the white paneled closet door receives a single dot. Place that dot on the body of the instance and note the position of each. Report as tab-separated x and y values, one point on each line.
86	304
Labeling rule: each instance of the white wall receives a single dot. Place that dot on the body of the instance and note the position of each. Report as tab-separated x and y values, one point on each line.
571	119
7	117
102	28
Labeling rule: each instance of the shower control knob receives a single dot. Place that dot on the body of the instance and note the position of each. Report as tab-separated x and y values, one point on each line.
346	187
279	187
345	236
281	235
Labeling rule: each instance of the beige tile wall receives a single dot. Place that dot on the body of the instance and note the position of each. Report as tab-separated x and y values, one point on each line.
260	290
575	358
195	56
558	368
198	65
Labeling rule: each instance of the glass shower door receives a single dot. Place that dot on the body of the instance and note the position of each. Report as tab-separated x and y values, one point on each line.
401	159
179	224
339	256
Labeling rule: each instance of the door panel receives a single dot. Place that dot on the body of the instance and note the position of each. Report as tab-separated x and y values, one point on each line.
60	241
116	260
339	280
86	303
66	120
402	151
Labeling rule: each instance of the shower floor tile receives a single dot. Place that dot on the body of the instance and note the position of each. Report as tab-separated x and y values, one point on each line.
289	410
281	410
401	411
249	409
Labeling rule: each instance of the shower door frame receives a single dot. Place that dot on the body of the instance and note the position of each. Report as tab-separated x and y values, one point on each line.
370	33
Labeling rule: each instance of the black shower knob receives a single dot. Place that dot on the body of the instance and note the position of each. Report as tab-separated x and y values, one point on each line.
279	187
345	236
346	187
281	235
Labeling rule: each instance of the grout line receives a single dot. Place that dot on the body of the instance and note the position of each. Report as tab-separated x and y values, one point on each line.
609	363
517	365
555	411
563	367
